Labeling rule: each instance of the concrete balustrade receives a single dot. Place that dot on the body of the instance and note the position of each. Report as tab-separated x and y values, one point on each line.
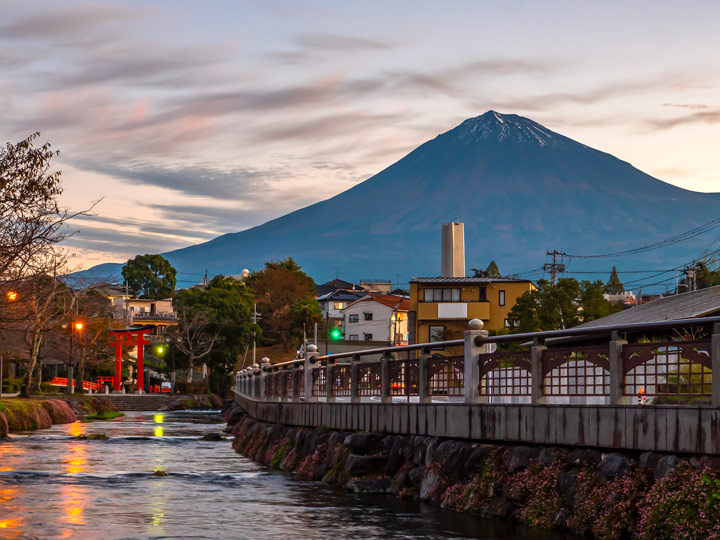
562	403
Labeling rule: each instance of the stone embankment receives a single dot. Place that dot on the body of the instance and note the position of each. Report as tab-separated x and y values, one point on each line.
604	494
28	414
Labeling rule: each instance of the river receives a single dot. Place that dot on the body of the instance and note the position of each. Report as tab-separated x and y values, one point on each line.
53	485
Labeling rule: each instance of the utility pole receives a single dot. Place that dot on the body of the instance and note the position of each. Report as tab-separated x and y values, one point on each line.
554	268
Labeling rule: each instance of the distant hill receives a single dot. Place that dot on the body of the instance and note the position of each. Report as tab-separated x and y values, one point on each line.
520	188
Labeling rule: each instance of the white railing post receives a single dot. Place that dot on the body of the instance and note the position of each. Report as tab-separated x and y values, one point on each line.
354	397
715	363
615	359
264	363
536	372
471	377
385	394
423	393
310	356
329	382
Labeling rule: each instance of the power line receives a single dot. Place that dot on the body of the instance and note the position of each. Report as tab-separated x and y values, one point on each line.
715	223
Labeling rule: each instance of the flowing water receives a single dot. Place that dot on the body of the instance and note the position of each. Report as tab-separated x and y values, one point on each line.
53	485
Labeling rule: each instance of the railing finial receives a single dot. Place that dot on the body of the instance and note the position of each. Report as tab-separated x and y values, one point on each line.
312	348
475	324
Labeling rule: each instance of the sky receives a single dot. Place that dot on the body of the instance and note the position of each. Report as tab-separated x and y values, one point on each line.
184	120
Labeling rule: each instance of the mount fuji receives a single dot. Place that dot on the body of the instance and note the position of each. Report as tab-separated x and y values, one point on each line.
520	189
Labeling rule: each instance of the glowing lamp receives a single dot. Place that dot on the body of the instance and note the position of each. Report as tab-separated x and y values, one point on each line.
78	326
11	296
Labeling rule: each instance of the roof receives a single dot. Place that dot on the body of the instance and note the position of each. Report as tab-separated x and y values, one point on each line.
389	300
334	285
687	305
341	295
469	280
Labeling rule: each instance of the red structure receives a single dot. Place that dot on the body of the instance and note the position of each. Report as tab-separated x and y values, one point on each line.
131	337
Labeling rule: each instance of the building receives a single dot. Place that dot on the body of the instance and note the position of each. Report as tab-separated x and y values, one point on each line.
376	286
441	307
337	285
332	305
689	305
377	317
158	314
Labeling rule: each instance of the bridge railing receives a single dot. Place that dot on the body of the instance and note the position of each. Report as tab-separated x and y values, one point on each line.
575	366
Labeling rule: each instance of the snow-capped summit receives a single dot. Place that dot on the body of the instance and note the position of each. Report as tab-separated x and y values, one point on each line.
506	127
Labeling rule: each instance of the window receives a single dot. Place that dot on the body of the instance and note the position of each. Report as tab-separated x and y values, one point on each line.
501	298
442	295
353	317
339	305
482	294
436	333
368	316
353	337
368	337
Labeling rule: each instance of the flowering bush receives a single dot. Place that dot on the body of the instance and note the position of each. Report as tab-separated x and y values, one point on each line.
610	510
309	465
538	486
685	504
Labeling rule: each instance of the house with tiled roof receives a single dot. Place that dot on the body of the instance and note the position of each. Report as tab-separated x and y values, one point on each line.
377	317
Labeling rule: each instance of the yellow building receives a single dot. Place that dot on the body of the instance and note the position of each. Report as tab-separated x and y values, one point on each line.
441	307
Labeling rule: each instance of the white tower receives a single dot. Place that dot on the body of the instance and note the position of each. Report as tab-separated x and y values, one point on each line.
453	250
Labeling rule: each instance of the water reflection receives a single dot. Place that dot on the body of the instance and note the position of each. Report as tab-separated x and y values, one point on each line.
54	486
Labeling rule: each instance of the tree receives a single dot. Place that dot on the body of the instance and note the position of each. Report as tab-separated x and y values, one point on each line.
31	220
228	305
285	297
593	302
613	285
93	341
41	300
150	276
194	336
32	225
492	271
563	306
522	317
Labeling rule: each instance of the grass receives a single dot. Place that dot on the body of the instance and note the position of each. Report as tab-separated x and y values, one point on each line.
104	415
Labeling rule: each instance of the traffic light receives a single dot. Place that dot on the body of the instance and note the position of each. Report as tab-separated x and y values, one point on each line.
335	334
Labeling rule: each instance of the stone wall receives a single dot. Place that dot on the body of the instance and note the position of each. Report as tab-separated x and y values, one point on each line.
669	428
608	495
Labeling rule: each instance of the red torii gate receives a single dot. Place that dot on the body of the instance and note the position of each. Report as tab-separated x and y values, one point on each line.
132	337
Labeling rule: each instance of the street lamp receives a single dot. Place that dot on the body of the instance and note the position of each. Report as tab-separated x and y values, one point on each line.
11	296
77	325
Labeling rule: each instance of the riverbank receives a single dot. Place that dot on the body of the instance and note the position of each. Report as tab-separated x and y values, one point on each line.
30	414
588	492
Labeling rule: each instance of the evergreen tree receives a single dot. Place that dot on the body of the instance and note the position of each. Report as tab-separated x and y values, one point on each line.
614	286
492	271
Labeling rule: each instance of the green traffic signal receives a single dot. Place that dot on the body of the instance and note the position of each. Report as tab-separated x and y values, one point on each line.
335	333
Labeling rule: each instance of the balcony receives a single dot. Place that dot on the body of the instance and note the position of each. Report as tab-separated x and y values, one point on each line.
453	310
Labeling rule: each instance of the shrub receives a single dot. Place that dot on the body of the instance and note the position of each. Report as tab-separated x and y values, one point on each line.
610	509
4	429
685	504
24	415
59	411
195	387
541	498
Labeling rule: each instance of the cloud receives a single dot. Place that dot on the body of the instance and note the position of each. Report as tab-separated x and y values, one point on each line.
325	127
339	43
235	183
142	66
687	105
69	23
701	117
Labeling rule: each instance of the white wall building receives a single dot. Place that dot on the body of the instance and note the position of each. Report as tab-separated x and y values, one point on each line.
377	317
